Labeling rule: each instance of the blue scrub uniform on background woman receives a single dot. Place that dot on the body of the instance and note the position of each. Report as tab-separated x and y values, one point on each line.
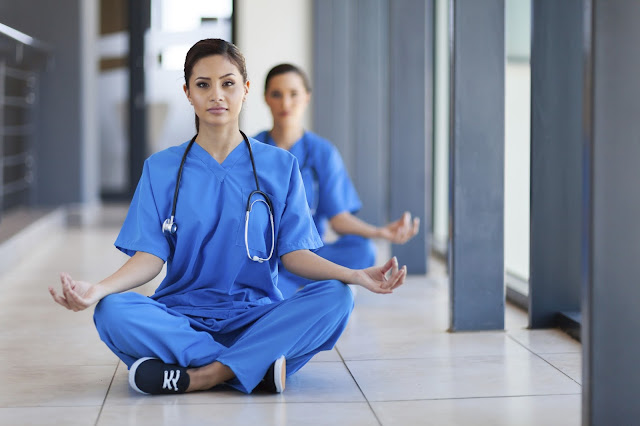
329	191
216	304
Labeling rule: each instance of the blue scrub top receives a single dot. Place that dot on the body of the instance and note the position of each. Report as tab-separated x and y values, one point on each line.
327	184
208	271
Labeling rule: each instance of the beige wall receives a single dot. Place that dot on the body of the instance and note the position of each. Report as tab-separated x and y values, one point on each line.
268	33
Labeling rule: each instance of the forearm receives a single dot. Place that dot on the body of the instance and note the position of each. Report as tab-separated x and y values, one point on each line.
311	266
138	270
347	224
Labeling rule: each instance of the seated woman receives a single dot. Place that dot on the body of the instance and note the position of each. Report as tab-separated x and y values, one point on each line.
330	193
233	207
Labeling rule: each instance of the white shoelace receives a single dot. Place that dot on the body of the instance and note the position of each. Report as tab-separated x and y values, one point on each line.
171	379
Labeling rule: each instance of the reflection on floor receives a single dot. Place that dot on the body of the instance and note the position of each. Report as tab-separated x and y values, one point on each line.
395	364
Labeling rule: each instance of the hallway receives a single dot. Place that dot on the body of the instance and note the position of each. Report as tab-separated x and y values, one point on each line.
394	365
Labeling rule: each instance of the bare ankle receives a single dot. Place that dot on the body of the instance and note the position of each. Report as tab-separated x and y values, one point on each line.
208	376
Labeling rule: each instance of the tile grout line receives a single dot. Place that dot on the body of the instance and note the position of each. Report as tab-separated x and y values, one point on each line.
544	360
106	395
359	388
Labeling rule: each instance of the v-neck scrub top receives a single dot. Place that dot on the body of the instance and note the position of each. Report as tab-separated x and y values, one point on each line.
208	272
321	165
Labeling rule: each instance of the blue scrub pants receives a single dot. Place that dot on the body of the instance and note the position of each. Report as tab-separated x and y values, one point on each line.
352	251
134	326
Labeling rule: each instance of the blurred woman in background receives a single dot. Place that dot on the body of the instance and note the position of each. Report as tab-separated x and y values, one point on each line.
331	196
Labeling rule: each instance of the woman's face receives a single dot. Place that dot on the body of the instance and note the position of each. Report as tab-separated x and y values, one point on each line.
216	91
288	98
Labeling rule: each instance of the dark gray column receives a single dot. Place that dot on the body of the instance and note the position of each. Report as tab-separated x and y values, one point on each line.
370	108
139	15
332	112
411	122
611	346
476	257
556	160
3	73
350	91
372	99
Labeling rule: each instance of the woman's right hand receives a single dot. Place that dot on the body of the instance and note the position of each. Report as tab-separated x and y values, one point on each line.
402	230
77	295
375	278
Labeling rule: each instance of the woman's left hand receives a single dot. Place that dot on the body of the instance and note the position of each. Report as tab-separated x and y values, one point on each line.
402	230
375	278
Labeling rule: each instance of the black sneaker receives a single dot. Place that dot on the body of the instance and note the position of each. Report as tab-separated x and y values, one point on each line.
274	380
152	376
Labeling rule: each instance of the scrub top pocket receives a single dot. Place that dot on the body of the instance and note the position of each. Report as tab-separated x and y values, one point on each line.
259	226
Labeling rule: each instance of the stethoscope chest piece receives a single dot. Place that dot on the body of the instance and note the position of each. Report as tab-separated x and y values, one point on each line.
169	226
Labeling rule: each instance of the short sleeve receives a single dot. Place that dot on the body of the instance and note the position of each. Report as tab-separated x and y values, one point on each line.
297	229
262	136
336	191
142	228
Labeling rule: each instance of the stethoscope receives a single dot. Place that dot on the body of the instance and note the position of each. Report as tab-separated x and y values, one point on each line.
170	226
306	165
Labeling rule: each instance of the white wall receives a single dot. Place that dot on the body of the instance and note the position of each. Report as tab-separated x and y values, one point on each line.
268	33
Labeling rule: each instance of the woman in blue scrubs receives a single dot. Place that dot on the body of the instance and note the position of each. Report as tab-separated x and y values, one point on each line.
218	316
332	198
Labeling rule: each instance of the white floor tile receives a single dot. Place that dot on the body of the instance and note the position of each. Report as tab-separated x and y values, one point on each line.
69	386
515	318
462	377
50	416
546	341
327	356
241	414
514	411
49	350
391	342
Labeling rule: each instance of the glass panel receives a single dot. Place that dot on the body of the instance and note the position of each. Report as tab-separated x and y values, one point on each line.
517	142
441	129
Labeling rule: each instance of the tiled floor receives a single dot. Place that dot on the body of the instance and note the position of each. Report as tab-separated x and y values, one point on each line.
395	364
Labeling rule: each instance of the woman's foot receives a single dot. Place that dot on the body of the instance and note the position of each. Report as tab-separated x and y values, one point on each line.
274	380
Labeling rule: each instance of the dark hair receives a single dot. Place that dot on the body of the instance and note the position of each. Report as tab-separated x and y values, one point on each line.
283	69
211	47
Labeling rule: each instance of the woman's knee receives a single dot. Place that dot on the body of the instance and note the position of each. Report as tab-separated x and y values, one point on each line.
360	252
112	308
337	294
368	252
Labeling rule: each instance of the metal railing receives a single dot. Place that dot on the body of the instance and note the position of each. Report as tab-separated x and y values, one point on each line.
21	56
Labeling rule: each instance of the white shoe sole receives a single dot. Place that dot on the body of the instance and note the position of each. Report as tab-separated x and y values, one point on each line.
280	373
132	374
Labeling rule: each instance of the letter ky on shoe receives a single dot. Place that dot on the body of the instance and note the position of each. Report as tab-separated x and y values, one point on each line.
152	376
